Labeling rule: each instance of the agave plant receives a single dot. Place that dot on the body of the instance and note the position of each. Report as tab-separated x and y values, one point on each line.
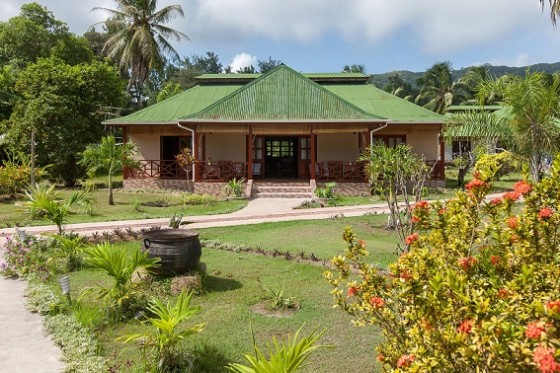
164	334
285	356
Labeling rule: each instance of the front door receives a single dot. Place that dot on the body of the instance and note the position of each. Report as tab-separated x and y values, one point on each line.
281	157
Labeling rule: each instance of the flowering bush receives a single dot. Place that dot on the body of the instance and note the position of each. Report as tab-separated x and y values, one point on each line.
23	254
14	177
479	289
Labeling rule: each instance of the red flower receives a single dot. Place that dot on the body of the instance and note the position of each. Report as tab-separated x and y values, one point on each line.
545	213
415	219
441	211
405	361
512	196
410	239
380	357
554	306
544	357
513	222
495	260
535	329
467	262
475	184
376	302
353	290
513	238
502	293
522	187
405	275
422	205
496	201
466	326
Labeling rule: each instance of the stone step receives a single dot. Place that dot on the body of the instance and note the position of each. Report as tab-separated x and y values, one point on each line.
282	195
281	189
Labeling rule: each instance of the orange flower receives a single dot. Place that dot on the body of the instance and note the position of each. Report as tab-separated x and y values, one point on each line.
441	211
353	290
405	361
422	205
466	326
512	196
380	357
513	222
535	329
545	213
467	262
405	275
475	184
415	219
544	357
410	239
522	187
554	306
496	201
502	293
376	302
495	260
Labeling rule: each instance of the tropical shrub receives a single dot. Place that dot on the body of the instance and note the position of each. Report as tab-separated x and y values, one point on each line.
285	356
163	336
196	199
43	201
479	289
499	164
121	265
326	192
70	247
234	187
24	254
14	177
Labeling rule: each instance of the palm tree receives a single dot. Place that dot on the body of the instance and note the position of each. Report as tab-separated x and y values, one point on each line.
437	88
109	156
141	40
475	76
554	9
534	108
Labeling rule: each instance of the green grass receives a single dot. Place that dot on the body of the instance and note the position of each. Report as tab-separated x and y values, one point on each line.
124	208
323	238
232	288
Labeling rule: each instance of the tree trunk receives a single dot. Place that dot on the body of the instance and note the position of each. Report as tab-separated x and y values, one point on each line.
111	201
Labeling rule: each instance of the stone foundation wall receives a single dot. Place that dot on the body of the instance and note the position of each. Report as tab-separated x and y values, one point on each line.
154	183
214	189
349	189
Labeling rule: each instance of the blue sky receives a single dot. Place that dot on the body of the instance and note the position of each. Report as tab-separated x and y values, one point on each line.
325	35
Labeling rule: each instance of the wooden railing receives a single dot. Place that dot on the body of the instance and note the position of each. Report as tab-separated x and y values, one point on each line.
170	169
227	170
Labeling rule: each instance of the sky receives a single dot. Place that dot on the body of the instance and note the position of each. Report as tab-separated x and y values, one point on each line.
326	35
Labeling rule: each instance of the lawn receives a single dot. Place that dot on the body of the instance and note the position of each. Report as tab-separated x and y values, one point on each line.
323	238
128	205
231	289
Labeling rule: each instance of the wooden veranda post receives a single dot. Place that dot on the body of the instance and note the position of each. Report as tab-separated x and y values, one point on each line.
313	154
250	153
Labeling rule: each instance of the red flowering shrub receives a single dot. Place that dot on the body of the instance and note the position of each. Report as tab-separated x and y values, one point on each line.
479	289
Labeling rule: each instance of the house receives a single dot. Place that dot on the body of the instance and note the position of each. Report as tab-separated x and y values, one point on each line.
276	127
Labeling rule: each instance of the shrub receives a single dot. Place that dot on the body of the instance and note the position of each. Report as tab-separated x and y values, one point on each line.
120	265
478	290
287	356
234	187
24	254
14	177
70	248
497	164
327	191
196	199
163	335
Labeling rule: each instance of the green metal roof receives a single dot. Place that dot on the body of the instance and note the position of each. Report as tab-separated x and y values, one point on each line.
183	104
374	100
282	94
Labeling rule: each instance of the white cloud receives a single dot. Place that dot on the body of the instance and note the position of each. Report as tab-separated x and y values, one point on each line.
242	60
519	60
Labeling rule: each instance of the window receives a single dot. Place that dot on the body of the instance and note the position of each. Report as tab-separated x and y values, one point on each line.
305	148
390	141
280	148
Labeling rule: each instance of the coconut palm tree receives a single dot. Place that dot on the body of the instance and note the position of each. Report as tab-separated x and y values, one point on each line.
554	9
533	102
110	157
141	42
437	88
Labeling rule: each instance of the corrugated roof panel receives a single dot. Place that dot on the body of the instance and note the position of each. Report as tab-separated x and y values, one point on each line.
185	103
282	94
375	101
